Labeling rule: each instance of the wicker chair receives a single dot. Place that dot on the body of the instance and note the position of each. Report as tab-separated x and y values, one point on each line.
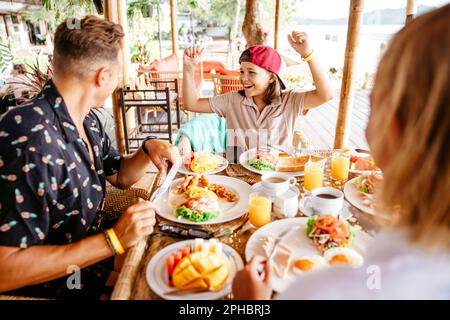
224	84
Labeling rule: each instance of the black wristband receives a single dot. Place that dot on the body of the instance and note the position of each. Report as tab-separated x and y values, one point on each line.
144	148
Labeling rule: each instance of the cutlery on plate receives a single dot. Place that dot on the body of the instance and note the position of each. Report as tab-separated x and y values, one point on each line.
166	183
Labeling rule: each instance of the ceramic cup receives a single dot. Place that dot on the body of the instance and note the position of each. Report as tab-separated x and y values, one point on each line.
277	183
325	200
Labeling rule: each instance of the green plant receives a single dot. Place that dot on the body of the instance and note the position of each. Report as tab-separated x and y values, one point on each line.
6	55
36	77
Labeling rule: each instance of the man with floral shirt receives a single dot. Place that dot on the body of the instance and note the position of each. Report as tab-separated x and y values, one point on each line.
55	159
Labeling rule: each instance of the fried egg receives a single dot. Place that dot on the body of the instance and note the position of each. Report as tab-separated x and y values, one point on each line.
345	256
199	192
308	263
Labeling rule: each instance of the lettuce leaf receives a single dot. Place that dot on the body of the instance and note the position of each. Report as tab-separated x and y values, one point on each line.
259	164
195	216
310	225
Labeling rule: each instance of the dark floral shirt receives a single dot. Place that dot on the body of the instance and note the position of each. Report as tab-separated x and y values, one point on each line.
50	191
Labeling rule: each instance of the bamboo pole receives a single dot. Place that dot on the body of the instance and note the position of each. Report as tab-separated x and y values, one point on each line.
411	10
114	11
277	23
348	81
173	26
6	26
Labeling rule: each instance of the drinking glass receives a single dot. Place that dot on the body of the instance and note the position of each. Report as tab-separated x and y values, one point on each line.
313	175
259	209
340	165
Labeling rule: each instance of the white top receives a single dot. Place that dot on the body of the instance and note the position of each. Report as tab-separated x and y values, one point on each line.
393	269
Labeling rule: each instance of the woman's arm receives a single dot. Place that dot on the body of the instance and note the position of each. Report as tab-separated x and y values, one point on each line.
191	101
324	91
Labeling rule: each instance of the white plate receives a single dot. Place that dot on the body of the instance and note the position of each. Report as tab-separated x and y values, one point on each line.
223	164
251	154
345	213
156	273
353	195
298	242
230	210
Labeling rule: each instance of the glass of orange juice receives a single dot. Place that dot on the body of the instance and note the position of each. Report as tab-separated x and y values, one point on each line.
259	209
340	165
313	175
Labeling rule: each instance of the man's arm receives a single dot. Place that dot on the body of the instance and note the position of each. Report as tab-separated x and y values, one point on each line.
133	167
37	264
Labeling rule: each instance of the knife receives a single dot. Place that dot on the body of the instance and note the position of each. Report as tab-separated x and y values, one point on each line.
185	232
166	183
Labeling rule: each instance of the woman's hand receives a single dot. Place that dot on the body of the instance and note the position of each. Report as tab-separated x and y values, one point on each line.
160	149
300	42
248	284
192	56
136	223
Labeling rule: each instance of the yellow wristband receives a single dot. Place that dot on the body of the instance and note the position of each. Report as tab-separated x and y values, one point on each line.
115	241
308	57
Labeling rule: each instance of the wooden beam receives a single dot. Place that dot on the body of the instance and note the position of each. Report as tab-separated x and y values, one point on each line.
115	10
173	26
411	10
6	26
348	81
277	23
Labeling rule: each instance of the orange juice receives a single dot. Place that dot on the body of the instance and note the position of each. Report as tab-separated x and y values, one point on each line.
313	176
340	166
259	210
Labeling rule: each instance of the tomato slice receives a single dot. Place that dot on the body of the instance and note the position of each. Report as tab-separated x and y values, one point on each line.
326	222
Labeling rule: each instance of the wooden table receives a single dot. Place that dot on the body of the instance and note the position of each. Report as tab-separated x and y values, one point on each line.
132	283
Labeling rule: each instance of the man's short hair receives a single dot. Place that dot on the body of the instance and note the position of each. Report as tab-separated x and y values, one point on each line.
81	45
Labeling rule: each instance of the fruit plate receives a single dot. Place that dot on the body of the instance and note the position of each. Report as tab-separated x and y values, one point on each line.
156	274
298	242
166	205
223	164
251	154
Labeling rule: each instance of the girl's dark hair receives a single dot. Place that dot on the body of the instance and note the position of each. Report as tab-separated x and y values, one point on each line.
274	89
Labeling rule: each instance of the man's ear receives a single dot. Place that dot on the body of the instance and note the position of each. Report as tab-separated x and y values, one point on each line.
102	76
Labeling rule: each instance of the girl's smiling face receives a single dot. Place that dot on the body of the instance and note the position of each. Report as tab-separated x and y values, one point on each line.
255	79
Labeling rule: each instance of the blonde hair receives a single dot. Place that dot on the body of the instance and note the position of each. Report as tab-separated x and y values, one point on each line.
412	87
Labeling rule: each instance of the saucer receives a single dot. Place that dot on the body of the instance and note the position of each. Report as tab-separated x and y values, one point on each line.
345	213
258	187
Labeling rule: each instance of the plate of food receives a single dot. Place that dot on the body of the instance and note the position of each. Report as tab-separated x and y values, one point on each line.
272	160
362	163
204	163
360	191
204	200
193	270
314	243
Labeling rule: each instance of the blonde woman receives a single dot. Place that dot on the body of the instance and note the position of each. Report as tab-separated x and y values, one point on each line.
409	133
